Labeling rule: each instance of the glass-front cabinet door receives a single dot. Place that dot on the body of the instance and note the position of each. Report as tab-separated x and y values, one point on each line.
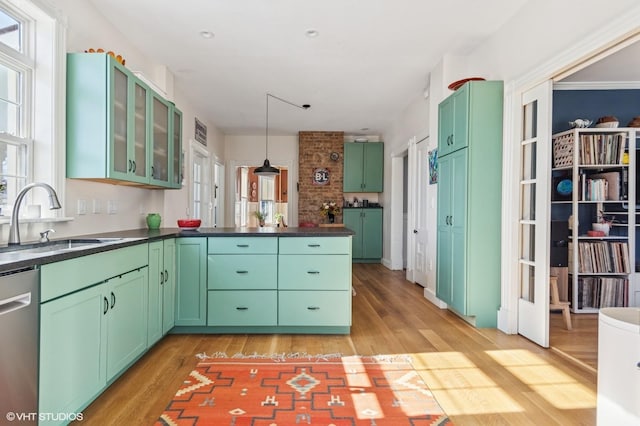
120	164
176	149
160	141
138	151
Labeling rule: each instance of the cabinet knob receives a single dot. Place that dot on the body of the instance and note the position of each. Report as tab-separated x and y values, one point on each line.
242	272
106	306
313	272
313	245
313	308
242	308
242	245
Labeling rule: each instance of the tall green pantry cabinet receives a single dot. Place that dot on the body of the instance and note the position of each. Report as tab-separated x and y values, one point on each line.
469	201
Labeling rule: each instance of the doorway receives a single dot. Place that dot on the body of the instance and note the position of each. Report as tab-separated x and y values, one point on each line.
257	197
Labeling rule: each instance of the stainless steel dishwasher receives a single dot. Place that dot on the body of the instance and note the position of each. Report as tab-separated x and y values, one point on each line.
19	325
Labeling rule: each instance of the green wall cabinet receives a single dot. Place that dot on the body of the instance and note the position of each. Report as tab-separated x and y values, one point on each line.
191	281
118	129
162	255
363	167
469	201
367	225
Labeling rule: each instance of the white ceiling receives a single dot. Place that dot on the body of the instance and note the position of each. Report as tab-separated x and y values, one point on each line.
370	60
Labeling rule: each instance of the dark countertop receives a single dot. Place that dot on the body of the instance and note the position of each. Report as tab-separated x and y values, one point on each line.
139	236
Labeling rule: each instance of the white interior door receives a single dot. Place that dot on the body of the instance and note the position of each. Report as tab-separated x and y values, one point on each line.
218	195
420	230
200	185
534	210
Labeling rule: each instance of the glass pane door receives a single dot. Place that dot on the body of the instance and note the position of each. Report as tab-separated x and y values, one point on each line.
140	131
533	238
121	162
160	165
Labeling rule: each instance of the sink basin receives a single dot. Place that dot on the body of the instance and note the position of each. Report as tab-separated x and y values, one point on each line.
27	251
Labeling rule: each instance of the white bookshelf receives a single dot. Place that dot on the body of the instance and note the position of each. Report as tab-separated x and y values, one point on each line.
592	162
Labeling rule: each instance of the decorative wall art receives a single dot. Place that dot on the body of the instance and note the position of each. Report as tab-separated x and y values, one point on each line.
433	167
320	176
200	132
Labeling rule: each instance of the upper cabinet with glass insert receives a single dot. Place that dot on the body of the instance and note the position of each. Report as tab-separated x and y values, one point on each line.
118	129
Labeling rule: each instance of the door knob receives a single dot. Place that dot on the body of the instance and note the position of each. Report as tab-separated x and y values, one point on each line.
415	231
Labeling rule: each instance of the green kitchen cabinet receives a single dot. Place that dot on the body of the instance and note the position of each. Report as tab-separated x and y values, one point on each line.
363	167
191	281
72	333
367	225
452	174
95	333
469	201
162	256
453	121
242	281
118	129
127	319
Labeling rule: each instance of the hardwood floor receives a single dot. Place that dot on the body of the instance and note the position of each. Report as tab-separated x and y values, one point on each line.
479	376
579	344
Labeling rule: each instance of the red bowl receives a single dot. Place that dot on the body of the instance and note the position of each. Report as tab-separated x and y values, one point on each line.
189	223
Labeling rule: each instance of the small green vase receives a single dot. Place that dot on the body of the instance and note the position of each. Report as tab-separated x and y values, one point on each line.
153	220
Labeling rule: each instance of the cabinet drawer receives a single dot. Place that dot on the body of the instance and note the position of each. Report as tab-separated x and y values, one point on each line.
309	272
235	272
60	278
248	308
314	308
315	245
243	245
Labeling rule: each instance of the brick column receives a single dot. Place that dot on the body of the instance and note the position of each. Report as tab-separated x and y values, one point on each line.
315	149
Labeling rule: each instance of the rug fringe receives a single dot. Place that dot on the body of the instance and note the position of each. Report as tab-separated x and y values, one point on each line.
281	357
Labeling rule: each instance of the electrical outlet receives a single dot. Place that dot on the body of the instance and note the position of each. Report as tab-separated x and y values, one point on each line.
97	208
82	207
112	207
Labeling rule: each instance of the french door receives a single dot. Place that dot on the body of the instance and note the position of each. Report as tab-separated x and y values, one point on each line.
534	210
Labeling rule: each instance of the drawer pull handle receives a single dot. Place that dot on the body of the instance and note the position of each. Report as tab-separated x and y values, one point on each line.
242	308
313	308
314	245
313	272
242	272
242	245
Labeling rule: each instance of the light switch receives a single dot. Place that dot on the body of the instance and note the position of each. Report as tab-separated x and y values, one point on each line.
82	207
112	207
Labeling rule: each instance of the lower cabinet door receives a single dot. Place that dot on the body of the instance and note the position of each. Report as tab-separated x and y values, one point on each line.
314	308
72	330
127	319
242	307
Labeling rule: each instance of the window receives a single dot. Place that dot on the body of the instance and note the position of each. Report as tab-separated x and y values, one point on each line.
31	54
267	197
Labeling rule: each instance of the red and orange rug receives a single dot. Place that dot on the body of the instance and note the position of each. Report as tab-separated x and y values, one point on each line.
282	391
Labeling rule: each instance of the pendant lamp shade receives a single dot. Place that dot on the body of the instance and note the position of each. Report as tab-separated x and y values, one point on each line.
267	169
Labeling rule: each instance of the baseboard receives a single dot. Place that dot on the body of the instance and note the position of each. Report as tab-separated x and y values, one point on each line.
431	297
505	322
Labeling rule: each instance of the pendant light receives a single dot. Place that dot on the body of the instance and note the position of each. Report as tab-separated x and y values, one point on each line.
267	169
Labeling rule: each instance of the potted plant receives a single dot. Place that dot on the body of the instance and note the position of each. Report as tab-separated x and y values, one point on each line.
278	218
260	216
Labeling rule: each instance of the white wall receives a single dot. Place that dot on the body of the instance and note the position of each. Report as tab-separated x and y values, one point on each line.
86	28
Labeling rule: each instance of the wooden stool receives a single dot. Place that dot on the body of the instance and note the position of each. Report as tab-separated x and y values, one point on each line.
557	304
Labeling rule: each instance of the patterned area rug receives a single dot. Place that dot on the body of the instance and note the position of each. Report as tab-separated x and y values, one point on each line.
282	391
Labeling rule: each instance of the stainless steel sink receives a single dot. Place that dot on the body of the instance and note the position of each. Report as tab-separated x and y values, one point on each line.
28	251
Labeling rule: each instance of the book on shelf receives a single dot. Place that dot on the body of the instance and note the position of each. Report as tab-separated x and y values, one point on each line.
602	292
612	179
602	148
603	257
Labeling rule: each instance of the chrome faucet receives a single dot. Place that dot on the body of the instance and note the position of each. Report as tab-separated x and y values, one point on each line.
14	230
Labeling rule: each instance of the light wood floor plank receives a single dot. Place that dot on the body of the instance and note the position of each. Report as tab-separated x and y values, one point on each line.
480	377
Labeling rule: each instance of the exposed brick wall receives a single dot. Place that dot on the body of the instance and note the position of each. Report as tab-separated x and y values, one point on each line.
314	152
